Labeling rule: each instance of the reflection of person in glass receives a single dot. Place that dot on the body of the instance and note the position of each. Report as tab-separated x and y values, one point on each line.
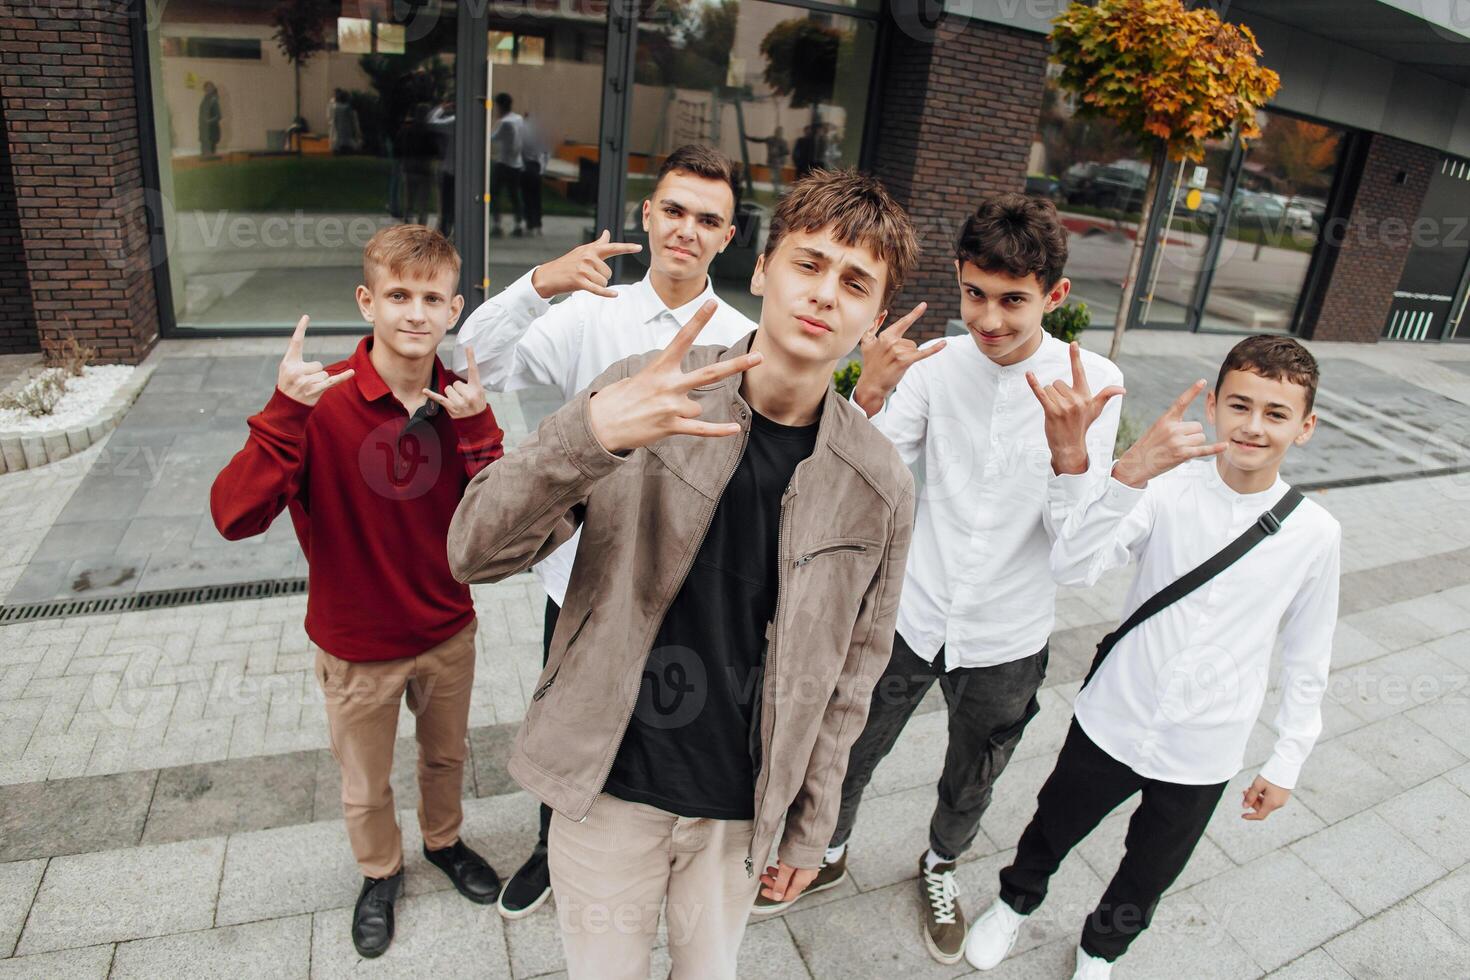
506	144
523	340
534	157
342	131
777	152
417	147
441	124
209	120
804	153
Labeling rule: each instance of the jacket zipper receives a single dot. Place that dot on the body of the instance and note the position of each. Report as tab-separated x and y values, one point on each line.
828	551
628	714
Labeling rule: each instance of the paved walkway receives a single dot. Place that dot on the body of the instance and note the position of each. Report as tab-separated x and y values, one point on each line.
168	806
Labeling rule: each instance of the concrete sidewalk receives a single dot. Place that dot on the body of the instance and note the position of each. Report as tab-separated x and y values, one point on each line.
168	806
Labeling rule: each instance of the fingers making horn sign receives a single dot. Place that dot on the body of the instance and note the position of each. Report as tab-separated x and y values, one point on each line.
887	356
1070	411
301	380
1168	442
462	399
654	403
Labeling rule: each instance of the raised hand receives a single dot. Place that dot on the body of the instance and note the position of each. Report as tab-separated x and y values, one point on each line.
305	381
584	267
1070	412
1167	443
463	398
654	403
886	357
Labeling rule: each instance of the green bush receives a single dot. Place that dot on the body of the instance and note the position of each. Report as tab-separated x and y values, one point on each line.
844	379
1066	323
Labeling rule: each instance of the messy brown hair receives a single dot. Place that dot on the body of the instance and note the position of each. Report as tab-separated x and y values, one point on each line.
858	210
1277	358
700	160
1017	235
408	250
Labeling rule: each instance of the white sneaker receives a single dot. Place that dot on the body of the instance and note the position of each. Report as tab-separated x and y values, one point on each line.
1091	967
993	936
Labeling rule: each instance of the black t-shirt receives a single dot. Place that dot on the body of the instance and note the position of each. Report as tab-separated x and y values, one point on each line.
687	749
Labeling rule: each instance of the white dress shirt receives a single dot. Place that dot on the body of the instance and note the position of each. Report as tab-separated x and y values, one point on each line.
1176	698
522	340
978	581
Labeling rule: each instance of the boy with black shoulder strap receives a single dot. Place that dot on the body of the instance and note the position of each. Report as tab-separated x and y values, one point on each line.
1230	560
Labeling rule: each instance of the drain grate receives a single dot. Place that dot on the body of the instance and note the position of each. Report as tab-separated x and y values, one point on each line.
161	599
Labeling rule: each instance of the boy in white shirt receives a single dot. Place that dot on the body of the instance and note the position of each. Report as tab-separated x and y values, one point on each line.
520	339
1168	710
978	598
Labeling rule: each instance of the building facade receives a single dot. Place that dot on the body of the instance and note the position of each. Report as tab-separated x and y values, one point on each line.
213	167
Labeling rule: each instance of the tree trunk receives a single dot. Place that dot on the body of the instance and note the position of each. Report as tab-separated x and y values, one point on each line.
297	65
1135	259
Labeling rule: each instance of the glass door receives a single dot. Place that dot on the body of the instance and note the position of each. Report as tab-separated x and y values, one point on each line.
1424	302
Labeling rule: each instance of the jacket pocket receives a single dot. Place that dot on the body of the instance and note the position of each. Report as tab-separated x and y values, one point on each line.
545	685
836	548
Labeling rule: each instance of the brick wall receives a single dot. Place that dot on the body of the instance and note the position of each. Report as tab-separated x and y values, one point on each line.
66	92
959	110
1366	268
17	319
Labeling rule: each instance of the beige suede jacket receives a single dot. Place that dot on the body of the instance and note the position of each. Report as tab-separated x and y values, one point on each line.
846	520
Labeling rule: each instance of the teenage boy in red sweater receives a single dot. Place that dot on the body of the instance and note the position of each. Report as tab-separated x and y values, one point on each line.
371	455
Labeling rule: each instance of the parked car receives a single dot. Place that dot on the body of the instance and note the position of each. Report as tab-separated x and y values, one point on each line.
1041	185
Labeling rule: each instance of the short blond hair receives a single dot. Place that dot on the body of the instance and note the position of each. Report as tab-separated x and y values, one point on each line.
409	250
859	211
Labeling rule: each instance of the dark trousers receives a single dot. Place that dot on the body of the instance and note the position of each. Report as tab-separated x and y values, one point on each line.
1086	785
446	204
531	193
505	185
548	630
988	710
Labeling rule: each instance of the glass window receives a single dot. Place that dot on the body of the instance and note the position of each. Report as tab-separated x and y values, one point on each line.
1096	175
275	170
779	89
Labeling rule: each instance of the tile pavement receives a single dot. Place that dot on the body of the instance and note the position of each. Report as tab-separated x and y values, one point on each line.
167	806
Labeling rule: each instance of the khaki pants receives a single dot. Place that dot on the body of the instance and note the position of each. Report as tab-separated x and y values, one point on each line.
362	718
611	873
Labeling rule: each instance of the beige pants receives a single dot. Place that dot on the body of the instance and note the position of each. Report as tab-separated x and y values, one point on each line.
362	718
611	873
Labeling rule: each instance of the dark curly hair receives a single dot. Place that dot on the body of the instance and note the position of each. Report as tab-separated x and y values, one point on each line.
1277	358
1017	235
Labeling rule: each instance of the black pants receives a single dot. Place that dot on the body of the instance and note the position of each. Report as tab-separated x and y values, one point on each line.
1086	785
989	708
505	185
531	193
548	630
446	204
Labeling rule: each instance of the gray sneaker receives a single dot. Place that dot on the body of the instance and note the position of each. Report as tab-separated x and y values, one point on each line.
830	876
944	920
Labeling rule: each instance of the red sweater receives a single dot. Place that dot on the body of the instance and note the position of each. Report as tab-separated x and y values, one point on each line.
371	493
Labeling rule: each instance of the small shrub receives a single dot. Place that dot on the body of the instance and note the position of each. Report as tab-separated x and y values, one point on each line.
1066	323
69	355
38	396
844	379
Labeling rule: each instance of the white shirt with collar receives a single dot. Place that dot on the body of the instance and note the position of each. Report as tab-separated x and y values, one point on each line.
1176	698
521	340
978	581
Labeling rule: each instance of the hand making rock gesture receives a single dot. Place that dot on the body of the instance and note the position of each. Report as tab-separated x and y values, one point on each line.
887	356
1070	411
305	381
463	398
654	403
1167	443
584	267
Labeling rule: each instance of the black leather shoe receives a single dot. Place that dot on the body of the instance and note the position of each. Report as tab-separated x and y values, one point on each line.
472	875
527	888
372	919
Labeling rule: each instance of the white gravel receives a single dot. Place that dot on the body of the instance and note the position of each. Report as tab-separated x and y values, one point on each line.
83	401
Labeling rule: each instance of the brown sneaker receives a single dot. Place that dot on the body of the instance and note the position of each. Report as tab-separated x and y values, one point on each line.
944	920
829	876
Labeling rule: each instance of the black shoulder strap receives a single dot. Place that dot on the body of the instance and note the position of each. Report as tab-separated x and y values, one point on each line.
1267	523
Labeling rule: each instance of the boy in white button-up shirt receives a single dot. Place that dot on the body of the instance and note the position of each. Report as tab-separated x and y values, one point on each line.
978	597
520	339
1168	711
